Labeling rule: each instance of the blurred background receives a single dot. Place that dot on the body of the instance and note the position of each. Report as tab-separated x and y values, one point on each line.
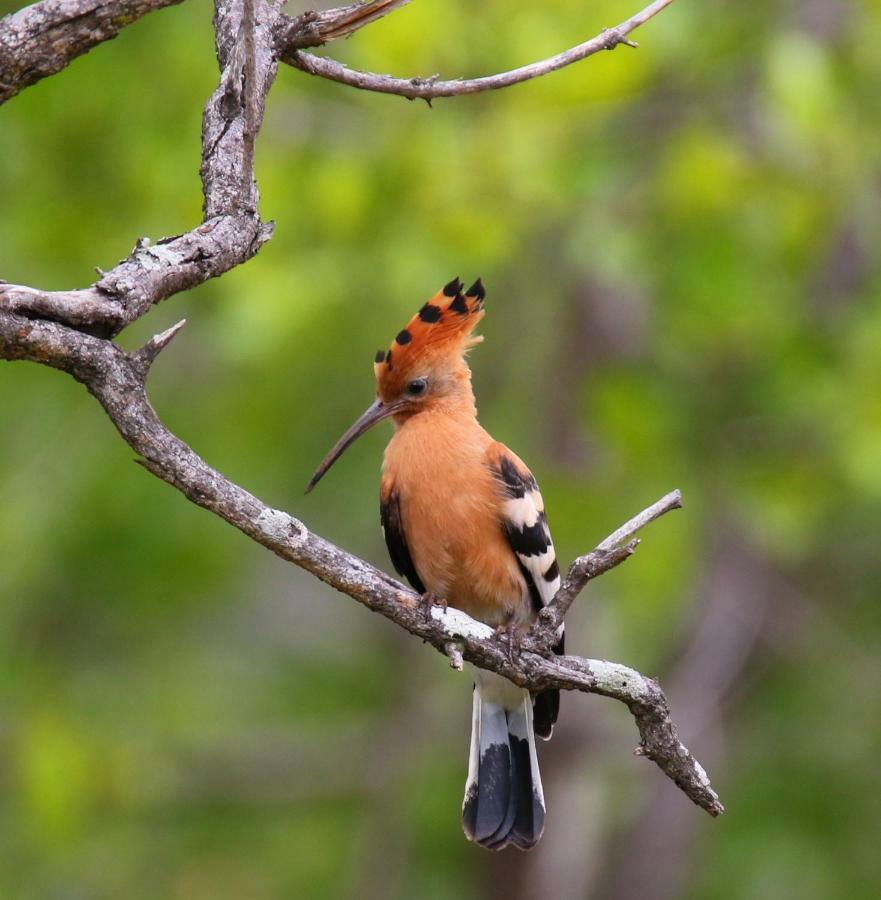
680	250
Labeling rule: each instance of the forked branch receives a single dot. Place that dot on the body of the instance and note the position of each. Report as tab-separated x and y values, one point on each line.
68	330
251	38
231	232
118	381
42	38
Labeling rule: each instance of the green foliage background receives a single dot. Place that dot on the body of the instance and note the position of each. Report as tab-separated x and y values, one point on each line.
680	249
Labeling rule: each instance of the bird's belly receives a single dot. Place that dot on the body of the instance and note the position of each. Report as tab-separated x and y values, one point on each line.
462	556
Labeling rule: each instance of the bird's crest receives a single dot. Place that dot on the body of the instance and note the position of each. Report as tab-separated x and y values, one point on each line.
441	328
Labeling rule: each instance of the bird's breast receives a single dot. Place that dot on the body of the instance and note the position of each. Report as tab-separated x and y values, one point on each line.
450	504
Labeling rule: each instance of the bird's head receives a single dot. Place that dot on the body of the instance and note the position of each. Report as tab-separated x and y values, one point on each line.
425	366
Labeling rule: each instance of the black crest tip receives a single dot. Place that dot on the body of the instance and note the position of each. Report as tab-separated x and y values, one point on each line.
476	290
453	287
380	356
459	305
430	313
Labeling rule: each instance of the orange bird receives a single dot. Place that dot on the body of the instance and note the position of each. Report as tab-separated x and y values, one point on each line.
464	521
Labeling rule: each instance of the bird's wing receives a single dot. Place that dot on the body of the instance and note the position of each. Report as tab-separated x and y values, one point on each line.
525	525
395	538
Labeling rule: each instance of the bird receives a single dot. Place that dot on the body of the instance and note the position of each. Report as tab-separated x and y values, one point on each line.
464	522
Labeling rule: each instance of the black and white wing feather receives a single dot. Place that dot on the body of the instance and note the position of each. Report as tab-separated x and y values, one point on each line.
526	526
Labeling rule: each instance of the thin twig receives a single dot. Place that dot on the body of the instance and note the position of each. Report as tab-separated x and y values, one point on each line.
666	504
315	28
454	651
431	88
606	556
148	353
231	233
117	379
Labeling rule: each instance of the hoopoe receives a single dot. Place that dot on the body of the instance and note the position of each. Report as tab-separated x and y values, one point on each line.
464	522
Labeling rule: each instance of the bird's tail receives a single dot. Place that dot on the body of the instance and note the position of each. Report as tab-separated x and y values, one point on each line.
504	803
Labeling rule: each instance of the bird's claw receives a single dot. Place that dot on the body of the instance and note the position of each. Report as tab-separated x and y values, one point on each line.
428	601
511	635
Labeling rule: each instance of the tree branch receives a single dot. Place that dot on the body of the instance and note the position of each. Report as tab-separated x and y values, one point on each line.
231	232
117	379
150	274
607	555
42	39
430	88
312	29
246	40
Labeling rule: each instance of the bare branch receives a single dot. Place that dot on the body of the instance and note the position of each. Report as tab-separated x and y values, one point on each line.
430	88
312	29
86	309
150	274
45	37
148	353
454	651
42	39
607	555
666	504
234	112
248	34
117	379
232	231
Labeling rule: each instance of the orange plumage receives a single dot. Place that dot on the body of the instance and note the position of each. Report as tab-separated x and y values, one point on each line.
434	340
464	521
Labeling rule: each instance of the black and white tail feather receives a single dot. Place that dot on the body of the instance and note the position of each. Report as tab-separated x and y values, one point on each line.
504	802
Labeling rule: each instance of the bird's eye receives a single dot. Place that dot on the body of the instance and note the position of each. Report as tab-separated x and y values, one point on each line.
417	387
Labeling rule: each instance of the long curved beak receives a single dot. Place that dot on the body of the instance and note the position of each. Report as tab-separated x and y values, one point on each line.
376	412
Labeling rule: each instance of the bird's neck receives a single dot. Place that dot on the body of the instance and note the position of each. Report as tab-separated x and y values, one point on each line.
457	408
443	436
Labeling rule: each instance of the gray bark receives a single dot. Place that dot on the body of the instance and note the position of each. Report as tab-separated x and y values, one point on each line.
69	330
42	39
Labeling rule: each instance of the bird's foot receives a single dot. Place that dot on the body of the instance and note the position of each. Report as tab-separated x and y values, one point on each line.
428	601
510	634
